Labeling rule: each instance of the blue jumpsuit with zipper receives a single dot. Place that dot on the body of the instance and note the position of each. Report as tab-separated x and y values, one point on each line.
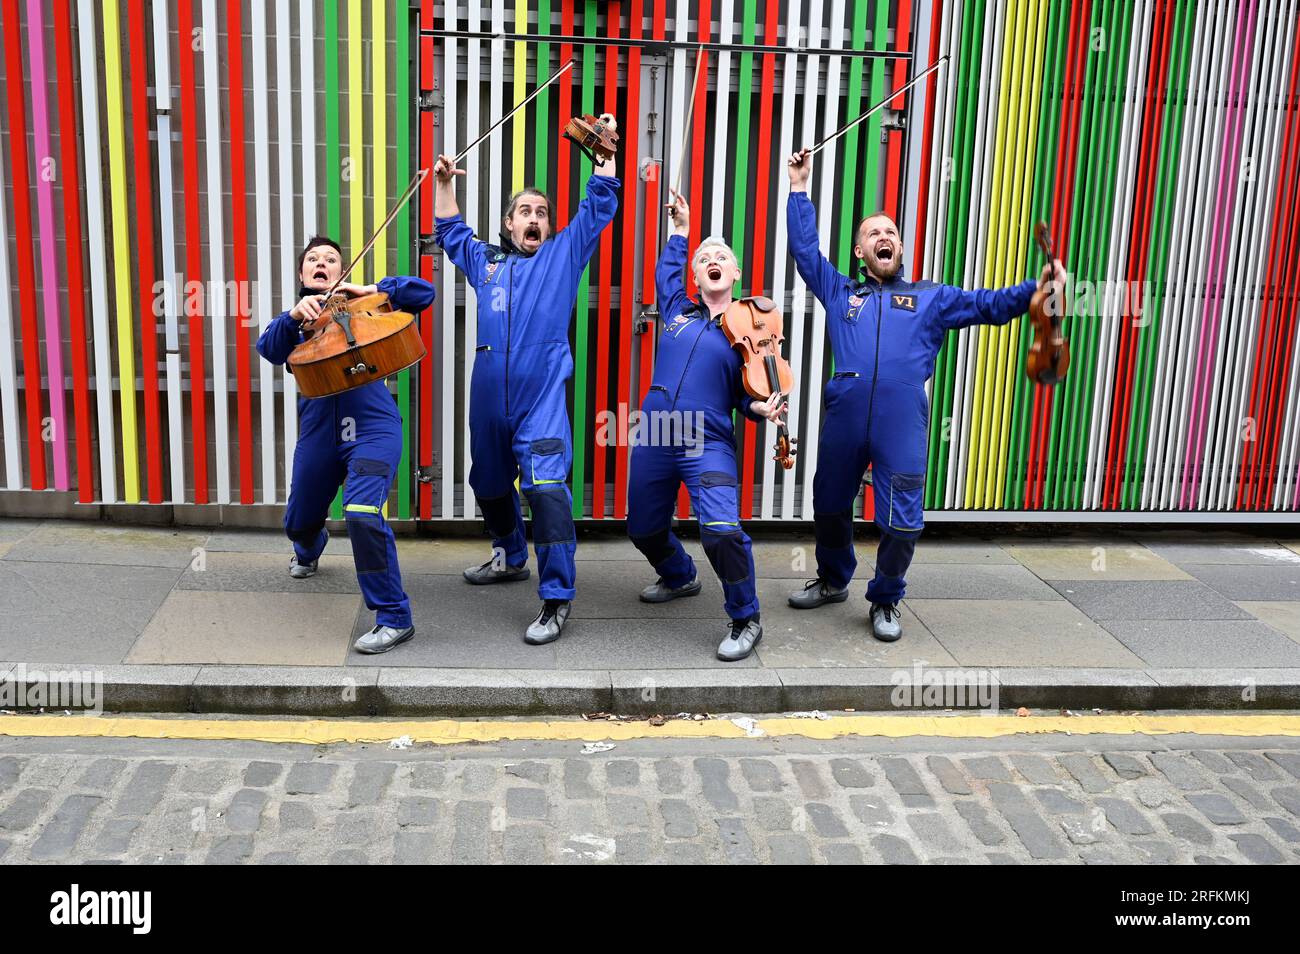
518	415
696	387
355	435
885	338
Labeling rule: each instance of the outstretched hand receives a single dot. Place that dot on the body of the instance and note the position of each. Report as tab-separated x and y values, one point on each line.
445	168
679	212
773	408
1055	272
799	165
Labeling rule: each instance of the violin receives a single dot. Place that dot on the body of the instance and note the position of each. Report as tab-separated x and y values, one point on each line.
356	341
1049	354
594	135
755	328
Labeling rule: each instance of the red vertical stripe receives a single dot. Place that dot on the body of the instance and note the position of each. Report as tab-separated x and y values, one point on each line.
71	176
613	12
140	112
696	187
1276	338
1139	242
653	200
628	305
23	232
424	207
239	239
193	249
564	112
893	164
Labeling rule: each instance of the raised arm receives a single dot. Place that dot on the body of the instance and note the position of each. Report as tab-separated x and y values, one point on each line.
961	309
595	212
801	227
408	292
670	283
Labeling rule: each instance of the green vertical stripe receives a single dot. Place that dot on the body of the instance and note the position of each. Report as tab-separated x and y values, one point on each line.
1171	138
542	167
744	93
333	162
402	90
871	183
852	109
584	284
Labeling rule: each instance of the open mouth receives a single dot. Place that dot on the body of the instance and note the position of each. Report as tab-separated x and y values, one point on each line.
320	275
884	253
714	273
532	234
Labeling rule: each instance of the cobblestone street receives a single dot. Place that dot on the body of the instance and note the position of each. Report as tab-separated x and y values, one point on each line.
1173	799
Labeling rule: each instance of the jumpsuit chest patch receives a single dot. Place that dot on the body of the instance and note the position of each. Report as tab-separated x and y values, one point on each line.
905	302
678	324
492	268
855	305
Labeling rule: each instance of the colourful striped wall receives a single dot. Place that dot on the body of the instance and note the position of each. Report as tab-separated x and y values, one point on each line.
194	145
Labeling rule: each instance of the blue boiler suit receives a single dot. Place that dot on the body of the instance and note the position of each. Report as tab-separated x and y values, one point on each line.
885	339
518	415
356	435
696	387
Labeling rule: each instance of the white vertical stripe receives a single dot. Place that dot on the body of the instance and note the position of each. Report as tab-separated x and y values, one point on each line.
944	170
216	297
722	187
473	92
812	387
286	106
824	171
94	183
789	64
450	278
262	198
8	364
172	282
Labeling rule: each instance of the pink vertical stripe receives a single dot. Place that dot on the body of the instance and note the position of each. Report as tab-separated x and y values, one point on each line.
1225	193
45	217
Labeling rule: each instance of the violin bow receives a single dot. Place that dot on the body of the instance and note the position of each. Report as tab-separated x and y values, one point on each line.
518	106
419	177
880	105
686	130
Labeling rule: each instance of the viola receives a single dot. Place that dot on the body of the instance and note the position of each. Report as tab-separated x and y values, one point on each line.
356	341
755	328
594	135
1049	353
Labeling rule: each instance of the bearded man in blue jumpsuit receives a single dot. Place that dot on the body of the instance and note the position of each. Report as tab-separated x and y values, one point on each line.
686	436
518	415
885	334
353	438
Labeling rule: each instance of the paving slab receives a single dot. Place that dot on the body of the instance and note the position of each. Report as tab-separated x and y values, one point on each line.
268	573
947	551
1173	644
1081	688
1222	549
612	588
1292	545
975	582
668	691
84	613
1027	633
1097	562
1282	615
1257	582
13	530
95	543
645	644
1229	688
301	690
468	692
1151	599
265	629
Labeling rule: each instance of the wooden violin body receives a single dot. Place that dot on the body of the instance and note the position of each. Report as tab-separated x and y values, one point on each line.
1049	353
593	136
358	340
755	328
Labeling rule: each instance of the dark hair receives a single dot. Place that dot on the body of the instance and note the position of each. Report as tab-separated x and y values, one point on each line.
528	190
314	242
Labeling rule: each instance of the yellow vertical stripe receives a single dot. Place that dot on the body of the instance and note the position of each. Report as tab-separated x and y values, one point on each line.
379	115
356	182
520	121
121	249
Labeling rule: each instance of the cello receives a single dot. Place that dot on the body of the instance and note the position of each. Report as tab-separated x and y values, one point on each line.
755	328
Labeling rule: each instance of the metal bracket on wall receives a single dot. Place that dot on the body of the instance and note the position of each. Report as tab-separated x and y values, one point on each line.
645	321
893	119
429	99
427	246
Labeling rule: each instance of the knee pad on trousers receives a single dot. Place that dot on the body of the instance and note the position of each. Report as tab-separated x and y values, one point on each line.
369	542
304	536
834	530
727	556
655	546
498	514
552	518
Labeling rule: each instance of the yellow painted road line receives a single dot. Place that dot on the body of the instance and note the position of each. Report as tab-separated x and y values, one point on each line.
450	731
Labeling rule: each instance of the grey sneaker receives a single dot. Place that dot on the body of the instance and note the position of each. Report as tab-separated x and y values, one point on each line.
382	638
816	593
661	592
546	628
490	573
886	622
742	636
300	571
